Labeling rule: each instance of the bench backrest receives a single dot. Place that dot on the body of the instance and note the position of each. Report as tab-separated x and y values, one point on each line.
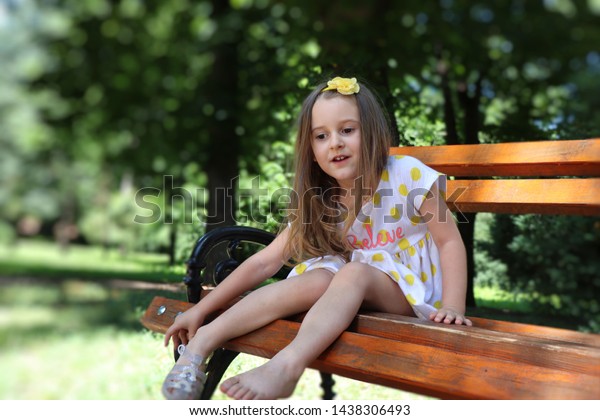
514	177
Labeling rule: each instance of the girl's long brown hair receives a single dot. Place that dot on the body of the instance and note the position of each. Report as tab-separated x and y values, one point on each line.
314	215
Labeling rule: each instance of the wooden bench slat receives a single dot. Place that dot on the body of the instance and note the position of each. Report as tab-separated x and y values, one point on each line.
419	368
539	331
522	196
526	330
159	321
531	158
538	351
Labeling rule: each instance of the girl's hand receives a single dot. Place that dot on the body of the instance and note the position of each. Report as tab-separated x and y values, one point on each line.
450	316
184	328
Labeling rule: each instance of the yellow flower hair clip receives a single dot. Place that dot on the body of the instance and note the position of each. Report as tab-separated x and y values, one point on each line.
343	85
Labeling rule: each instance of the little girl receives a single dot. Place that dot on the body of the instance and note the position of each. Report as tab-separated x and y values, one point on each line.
370	231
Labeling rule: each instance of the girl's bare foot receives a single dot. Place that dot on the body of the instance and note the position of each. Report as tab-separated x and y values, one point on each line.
275	379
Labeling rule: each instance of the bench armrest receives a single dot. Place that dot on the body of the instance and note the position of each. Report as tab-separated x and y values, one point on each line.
217	253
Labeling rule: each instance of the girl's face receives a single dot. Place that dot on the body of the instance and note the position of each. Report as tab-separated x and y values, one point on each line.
335	138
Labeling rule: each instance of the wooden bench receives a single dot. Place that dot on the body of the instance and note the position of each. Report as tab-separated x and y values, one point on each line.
490	360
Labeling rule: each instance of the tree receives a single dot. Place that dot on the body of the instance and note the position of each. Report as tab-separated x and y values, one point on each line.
204	91
26	139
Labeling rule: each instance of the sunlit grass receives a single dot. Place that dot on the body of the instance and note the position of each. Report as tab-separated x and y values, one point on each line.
39	258
501	299
82	340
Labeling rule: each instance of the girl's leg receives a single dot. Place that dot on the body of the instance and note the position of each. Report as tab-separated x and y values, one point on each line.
355	285
186	379
262	306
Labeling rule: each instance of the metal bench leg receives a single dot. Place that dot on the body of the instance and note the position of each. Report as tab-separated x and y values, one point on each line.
217	365
327	383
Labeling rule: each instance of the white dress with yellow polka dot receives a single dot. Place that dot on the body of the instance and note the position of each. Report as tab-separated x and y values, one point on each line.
391	235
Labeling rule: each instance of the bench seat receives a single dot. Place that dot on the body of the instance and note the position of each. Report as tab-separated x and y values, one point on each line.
490	360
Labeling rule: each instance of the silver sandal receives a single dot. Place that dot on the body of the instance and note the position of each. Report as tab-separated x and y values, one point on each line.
187	378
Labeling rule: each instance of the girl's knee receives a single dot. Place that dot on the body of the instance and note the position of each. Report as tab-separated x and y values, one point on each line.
357	268
355	273
313	283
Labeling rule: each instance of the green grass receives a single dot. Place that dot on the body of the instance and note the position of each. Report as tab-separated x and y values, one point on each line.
42	259
65	333
517	307
500	299
82	340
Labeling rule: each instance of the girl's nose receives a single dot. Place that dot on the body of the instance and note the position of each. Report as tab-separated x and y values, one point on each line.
336	141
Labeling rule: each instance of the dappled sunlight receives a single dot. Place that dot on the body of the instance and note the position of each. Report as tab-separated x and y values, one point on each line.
81	340
77	340
48	259
100	364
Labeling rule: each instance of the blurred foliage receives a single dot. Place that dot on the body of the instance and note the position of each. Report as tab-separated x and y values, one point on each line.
110	109
553	258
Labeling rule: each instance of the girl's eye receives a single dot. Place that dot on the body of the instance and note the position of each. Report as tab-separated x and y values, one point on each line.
347	130
320	136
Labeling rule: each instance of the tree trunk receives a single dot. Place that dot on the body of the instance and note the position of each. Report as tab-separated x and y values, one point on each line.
470	107
173	245
221	90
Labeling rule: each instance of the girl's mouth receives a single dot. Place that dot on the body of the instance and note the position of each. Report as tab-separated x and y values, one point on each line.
339	158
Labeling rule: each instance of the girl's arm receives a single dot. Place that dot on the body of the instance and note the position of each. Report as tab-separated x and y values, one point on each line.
256	269
446	236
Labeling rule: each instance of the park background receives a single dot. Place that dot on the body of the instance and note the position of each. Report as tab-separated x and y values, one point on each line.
124	122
